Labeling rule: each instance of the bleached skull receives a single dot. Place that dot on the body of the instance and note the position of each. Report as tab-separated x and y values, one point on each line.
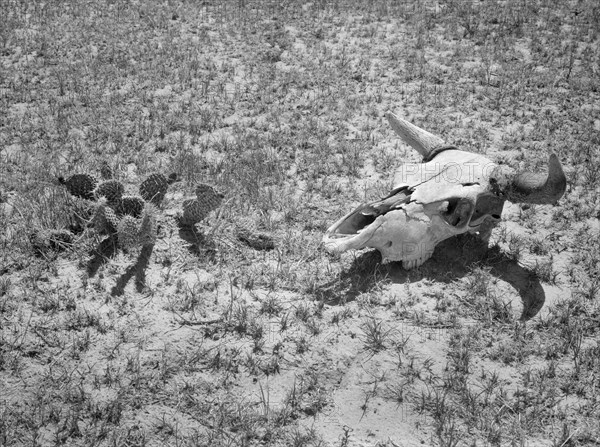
451	192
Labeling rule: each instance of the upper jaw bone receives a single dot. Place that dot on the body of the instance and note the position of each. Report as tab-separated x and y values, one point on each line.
338	243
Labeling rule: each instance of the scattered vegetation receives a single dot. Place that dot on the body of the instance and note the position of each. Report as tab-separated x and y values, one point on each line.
238	329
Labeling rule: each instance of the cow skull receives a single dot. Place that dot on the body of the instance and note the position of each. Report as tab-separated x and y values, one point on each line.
451	192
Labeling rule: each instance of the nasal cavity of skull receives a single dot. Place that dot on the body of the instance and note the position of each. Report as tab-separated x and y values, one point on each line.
458	211
480	212
488	206
355	223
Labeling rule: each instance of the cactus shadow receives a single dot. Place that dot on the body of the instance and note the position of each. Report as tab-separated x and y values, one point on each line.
138	269
100	255
454	258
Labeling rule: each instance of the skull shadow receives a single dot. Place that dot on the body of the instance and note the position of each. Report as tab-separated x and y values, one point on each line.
453	258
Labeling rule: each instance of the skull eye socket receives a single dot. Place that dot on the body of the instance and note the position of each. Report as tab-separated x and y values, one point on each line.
458	212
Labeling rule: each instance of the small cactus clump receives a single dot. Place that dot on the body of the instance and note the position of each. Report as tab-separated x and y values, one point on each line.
105	220
112	190
127	232
131	221
148	231
130	206
80	185
154	188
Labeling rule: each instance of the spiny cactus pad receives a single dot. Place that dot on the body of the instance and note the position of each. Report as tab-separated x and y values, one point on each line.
112	190
148	230
193	212
80	185
208	197
127	232
130	205
154	188
105	220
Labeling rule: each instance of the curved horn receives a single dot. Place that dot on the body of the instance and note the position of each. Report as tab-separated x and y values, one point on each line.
420	140
530	187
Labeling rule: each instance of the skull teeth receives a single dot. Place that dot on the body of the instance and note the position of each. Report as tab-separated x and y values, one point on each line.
414	263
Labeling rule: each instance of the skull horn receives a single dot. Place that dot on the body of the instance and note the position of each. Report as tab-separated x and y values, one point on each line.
529	187
419	139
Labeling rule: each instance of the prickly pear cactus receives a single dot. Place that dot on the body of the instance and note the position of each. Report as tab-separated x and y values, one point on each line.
148	230
112	190
104	220
193	212
208	197
130	206
80	185
127	233
155	187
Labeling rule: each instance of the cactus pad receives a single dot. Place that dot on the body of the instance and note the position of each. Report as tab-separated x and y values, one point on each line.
154	188
193	212
148	230
208	197
112	190
127	232
130	206
105	220
80	185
